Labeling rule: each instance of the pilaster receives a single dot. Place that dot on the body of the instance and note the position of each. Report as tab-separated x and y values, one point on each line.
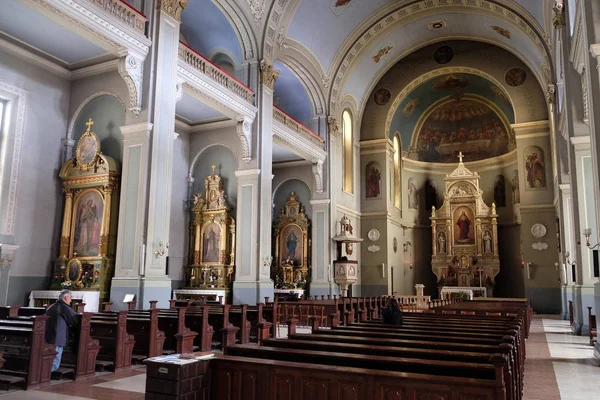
321	278
67	149
7	256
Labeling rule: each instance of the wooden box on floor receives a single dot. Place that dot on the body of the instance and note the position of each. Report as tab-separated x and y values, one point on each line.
167	381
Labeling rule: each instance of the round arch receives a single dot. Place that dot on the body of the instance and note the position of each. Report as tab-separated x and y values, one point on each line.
84	103
202	150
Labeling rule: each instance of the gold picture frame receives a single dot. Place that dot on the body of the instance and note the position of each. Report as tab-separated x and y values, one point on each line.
73	270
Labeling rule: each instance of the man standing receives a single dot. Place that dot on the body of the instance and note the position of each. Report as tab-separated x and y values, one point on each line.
57	330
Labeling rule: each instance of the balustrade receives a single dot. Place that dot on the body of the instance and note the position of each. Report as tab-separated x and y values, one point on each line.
125	13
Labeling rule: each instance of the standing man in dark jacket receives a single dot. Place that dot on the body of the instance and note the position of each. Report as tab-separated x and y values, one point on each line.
57	330
392	315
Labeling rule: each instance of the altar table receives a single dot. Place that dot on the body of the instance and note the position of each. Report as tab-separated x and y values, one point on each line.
297	292
90	298
469	290
192	294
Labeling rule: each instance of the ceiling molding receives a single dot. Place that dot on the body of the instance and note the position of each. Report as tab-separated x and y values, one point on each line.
27	55
97	69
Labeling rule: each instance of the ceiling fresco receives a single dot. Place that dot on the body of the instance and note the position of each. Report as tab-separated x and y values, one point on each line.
456	87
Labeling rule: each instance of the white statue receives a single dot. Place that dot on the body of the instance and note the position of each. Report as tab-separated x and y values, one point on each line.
487	242
441	243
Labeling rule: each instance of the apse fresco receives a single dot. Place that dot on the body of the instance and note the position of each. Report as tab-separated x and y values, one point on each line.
461	125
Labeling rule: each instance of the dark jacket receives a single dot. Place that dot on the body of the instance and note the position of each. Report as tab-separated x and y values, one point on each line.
57	329
392	316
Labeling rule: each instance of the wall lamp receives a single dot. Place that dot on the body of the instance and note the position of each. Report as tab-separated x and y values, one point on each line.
587	232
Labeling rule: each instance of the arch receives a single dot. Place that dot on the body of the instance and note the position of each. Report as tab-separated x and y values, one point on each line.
241	26
280	198
291	94
202	150
276	188
84	103
397	145
220	54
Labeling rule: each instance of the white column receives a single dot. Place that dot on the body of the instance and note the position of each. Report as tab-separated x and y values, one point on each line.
321	279
7	256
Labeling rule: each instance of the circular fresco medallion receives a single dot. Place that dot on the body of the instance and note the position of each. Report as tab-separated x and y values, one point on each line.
443	55
515	77
382	97
395	245
539	230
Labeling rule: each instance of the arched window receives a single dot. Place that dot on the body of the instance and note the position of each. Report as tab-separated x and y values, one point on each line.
397	171
347	152
224	62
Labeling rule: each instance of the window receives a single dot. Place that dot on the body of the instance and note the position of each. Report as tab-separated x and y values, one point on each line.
396	171
572	10
347	152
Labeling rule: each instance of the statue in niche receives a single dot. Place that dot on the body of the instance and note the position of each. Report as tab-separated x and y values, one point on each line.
442	242
500	191
487	242
430	195
515	188
413	194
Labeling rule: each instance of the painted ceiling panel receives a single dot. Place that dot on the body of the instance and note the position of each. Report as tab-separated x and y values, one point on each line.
207	29
322	26
290	95
44	34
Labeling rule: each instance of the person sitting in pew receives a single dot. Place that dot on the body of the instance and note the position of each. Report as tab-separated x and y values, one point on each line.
57	329
392	315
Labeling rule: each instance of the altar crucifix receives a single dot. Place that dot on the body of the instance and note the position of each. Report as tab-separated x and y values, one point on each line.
464	234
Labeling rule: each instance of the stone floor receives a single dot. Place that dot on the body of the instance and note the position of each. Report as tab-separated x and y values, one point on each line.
559	366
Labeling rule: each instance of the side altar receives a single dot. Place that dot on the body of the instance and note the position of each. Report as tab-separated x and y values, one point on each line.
89	229
465	235
210	271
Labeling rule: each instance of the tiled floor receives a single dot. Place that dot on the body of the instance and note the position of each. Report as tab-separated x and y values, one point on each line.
559	366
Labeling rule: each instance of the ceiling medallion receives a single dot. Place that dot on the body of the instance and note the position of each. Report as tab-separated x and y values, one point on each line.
501	31
515	77
382	97
437	25
382	52
443	55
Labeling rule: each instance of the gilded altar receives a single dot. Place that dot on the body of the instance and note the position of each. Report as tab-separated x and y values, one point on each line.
465	234
212	239
292	246
89	229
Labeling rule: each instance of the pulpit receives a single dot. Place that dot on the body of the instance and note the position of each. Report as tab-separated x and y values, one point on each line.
212	242
345	271
89	229
465	235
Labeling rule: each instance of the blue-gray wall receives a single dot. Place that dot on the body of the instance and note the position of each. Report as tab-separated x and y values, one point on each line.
282	194
226	165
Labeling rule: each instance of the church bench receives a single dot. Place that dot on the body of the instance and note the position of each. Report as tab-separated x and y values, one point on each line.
149	340
179	338
27	356
233	376
110	329
592	325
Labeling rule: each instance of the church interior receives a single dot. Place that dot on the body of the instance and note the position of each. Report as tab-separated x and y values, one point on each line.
238	176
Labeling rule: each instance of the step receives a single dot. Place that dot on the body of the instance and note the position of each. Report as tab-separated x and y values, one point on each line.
138	357
62	371
103	364
8	380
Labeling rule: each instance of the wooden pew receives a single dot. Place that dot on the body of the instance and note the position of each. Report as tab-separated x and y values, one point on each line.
28	358
1	361
149	340
593	327
110	329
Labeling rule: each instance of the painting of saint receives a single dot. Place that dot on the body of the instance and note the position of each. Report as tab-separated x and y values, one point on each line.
373	180
291	245
500	191
87	149
211	243
466	125
409	108
88	221
515	77
443	55
464	226
487	242
382	97
413	194
339	6
534	164
441	242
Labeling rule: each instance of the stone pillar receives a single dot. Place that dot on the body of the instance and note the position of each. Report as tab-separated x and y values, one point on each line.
129	263
321	279
7	256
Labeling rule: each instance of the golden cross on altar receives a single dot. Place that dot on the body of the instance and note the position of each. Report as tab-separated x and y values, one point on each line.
89	124
213	168
460	156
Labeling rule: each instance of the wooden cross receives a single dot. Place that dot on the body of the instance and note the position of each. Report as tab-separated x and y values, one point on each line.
89	124
460	156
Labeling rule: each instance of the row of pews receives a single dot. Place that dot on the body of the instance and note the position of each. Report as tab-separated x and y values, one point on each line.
457	350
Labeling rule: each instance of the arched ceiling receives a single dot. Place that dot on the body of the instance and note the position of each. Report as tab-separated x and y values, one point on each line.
344	36
294	101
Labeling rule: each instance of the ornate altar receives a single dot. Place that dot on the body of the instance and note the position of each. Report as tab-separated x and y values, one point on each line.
212	240
89	229
464	234
292	246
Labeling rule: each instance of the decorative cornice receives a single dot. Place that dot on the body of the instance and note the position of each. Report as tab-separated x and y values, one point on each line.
257	8
173	7
268	74
26	55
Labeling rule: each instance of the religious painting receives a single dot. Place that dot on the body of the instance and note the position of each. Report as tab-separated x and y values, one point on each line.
500	191
339	6
431	195
515	188
291	245
211	243
73	270
413	194
410	107
466	125
464	226
382	97
381	53
501	31
515	77
451	82
373	180
534	167
443	55
88	224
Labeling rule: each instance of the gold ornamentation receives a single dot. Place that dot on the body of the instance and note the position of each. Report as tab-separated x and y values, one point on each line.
268	74
382	52
88	149
501	31
173	7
